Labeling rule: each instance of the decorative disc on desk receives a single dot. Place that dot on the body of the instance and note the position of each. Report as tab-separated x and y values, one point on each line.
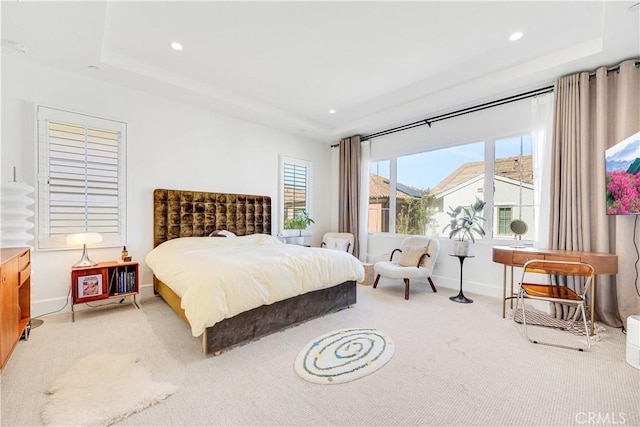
344	355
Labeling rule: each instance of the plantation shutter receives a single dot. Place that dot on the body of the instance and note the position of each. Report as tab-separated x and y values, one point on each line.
81	183
295	189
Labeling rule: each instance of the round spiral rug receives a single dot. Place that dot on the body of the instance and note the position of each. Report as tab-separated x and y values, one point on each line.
344	355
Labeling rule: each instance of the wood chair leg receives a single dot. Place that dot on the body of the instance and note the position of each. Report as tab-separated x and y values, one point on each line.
406	288
375	283
433	286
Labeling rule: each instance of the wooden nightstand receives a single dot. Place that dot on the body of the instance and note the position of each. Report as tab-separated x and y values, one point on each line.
105	280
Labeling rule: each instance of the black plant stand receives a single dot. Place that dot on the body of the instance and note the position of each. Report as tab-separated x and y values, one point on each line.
460	297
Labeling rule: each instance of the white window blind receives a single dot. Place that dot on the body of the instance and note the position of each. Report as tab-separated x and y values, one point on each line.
295	180
81	177
295	189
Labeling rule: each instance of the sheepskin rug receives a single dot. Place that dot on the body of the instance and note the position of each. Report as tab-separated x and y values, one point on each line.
102	389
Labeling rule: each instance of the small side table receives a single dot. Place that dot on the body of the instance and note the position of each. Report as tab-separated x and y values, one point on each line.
368	274
111	279
460	297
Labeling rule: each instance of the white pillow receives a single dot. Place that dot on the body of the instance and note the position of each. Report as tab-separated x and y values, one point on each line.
411	255
222	233
338	244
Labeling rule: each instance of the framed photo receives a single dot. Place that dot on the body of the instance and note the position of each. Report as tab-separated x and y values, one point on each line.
89	286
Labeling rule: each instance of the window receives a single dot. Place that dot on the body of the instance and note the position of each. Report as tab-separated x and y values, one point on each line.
81	177
431	181
379	196
295	179
427	183
504	219
442	178
513	183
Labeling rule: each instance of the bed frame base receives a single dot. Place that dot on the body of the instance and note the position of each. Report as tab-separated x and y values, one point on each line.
267	319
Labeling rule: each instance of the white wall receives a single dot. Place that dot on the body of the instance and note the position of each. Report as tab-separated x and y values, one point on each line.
481	274
170	145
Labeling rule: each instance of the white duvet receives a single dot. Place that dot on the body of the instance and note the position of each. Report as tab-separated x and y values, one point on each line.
217	278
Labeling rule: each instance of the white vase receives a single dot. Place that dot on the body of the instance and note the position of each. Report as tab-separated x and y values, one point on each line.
461	247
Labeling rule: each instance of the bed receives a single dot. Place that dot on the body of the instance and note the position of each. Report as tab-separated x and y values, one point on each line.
185	219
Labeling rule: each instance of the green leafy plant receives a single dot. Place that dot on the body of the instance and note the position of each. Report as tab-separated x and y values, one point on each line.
465	221
299	222
415	215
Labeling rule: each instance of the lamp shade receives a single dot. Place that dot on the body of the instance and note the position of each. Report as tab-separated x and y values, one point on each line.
77	239
14	213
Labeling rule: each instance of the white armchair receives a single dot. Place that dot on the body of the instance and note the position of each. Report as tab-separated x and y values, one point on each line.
417	257
339	241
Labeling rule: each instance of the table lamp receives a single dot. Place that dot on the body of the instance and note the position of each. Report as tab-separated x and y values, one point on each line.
83	239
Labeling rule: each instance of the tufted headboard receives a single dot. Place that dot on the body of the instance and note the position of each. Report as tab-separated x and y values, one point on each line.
178	213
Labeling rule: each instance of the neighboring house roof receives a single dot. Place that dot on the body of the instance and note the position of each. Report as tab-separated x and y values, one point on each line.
507	167
379	188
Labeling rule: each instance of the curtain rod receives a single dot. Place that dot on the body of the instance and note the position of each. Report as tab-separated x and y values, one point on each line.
636	64
473	109
459	112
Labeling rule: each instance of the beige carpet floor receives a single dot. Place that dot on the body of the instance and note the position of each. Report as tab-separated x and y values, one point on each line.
454	364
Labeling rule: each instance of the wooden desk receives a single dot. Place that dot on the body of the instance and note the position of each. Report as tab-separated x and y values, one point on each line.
509	256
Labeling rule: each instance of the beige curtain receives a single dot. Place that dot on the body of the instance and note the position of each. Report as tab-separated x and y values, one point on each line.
349	189
593	113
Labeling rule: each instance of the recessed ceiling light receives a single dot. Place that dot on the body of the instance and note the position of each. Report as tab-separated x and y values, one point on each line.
176	46
516	36
332	111
94	68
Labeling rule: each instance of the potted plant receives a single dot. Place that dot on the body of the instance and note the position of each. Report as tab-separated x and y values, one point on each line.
300	221
465	223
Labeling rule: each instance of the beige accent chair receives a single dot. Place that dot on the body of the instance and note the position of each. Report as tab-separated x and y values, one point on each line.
339	241
417	257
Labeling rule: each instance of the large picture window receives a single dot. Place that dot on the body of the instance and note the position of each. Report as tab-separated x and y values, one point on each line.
81	177
428	183
449	177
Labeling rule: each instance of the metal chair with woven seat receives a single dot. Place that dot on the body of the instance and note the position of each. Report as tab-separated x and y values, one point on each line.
555	293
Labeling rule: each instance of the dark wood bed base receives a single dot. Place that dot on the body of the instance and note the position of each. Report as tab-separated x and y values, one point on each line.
196	214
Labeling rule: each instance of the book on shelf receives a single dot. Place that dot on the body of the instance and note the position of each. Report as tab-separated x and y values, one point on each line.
112	282
131	282
89	286
121	280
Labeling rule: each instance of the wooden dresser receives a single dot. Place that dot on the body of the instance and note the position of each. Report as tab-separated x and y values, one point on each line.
15	299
